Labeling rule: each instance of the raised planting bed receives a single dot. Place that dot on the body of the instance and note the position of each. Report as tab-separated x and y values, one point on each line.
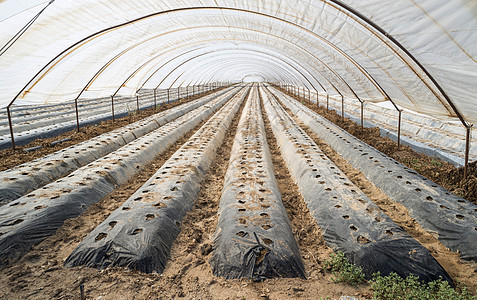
35	216
253	237
349	220
451	219
140	233
30	176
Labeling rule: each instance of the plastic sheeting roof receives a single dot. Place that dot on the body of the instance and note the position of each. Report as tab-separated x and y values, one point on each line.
419	54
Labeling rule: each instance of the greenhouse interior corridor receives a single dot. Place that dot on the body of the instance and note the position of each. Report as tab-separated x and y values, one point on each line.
266	149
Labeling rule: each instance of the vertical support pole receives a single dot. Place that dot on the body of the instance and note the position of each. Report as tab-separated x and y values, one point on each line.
112	105
178	93
317	99
327	101
362	115
309	96
137	102
155	104
467	149
11	127
77	116
399	129
342	108
168	95
187	91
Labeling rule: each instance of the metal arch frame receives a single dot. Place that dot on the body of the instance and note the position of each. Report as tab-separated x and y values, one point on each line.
342	5
283	73
156	14
268	56
193	58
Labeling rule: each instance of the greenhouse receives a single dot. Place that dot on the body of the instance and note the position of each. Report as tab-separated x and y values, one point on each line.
238	149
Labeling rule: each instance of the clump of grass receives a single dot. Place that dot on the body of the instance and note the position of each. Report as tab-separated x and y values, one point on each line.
343	270
395	287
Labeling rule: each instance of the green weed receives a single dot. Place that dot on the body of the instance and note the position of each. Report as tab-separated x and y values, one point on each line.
343	270
395	287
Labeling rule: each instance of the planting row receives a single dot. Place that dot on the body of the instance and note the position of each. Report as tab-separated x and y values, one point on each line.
140	233
35	216
253	237
31	124
349	220
33	175
453	220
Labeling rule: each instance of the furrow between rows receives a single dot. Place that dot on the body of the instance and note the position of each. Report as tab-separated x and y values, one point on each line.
349	220
35	216
253	237
27	177
451	219
139	234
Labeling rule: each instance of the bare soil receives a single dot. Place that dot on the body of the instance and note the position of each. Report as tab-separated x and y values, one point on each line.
10	158
40	274
439	171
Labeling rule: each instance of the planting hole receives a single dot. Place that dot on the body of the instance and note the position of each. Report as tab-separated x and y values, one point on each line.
363	240
150	217
126	208
417	190
352	227
266	227
39	207
241	201
338	206
136	231
174	189
160	205
408	182
16	222
264	215
444	207
328	190
388	232
242	221
267	241
241	233
242	209
100	236
460	217
137	199
378	219
345	217
112	224
429	198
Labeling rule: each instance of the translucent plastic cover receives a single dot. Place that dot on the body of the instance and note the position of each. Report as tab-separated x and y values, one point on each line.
421	55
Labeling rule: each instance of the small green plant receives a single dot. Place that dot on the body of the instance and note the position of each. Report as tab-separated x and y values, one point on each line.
394	286
343	270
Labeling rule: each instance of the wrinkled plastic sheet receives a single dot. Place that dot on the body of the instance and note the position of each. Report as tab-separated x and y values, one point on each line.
253	237
453	220
140	234
27	177
35	216
349	220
